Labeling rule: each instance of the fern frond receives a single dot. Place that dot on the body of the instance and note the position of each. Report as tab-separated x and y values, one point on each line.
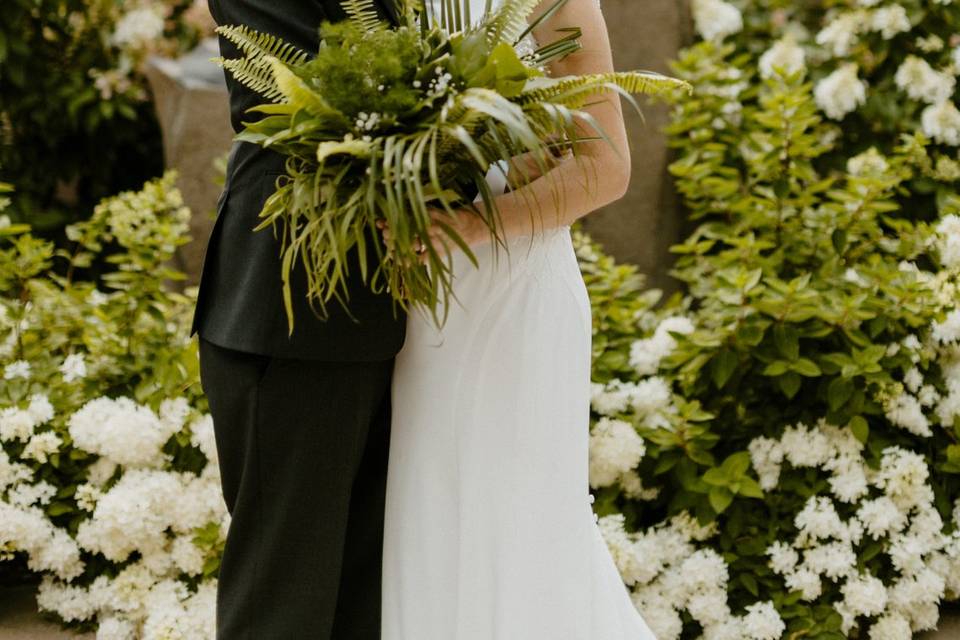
364	13
256	75
256	45
510	21
575	92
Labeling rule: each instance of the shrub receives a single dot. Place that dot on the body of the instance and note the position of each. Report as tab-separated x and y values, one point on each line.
799	401
109	486
72	90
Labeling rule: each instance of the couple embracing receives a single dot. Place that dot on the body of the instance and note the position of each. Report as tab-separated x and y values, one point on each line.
389	479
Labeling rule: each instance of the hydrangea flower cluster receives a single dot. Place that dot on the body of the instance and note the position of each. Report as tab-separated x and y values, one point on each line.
137	505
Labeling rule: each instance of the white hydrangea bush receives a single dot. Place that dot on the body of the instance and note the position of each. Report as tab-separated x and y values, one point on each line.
799	398
109	484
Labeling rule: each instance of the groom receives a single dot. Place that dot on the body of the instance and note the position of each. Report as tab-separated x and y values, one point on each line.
301	422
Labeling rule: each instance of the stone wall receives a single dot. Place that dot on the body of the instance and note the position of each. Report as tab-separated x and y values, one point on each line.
645	34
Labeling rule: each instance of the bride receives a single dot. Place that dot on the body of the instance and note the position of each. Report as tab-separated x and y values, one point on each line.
489	532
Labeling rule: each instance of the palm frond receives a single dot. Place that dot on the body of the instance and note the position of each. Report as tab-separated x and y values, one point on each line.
543	17
559	48
574	92
364	13
255	45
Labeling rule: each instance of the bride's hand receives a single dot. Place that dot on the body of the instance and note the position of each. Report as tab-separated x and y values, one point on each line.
465	224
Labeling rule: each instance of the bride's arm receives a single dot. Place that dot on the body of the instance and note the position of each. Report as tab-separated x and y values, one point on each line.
573	187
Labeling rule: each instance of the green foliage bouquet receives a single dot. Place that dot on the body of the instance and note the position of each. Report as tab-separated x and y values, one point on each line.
391	125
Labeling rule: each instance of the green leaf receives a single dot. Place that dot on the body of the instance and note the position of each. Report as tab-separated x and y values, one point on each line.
806	367
839	240
953	453
776	368
838	392
719	498
787	340
750	488
717	477
860	428
723	366
789	383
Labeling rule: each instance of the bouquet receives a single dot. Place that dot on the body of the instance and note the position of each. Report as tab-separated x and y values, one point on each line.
398	126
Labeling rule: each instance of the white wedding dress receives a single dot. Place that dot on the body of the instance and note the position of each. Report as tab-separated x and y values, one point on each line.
489	532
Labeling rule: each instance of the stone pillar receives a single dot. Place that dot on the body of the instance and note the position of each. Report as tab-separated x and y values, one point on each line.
192	105
645	34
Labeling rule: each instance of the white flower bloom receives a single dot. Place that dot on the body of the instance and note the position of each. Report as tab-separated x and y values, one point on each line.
805	447
101	471
903	477
891	626
766	455
849	482
841	92
17	369
905	411
16	424
913	378
116	628
187	556
74	367
42	445
47	547
763	622
612	399
651	396
633	488
40	409
709	607
949	329
941	122
133	515
622	548
890	21
26	495
139	27
664	621
869	163
127	433
715	19
615	449
840	34
834	560
819	519
864	595
646	354
785	55
807	582
881	517
87	495
72	603
12	472
203	437
948	236
783	557
922	82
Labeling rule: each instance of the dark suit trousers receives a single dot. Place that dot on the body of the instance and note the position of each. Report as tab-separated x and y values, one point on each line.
303	456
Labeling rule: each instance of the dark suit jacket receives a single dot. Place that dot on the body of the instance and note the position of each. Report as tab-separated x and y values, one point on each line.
239	303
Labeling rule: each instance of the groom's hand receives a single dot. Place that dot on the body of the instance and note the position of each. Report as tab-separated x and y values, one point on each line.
387	237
